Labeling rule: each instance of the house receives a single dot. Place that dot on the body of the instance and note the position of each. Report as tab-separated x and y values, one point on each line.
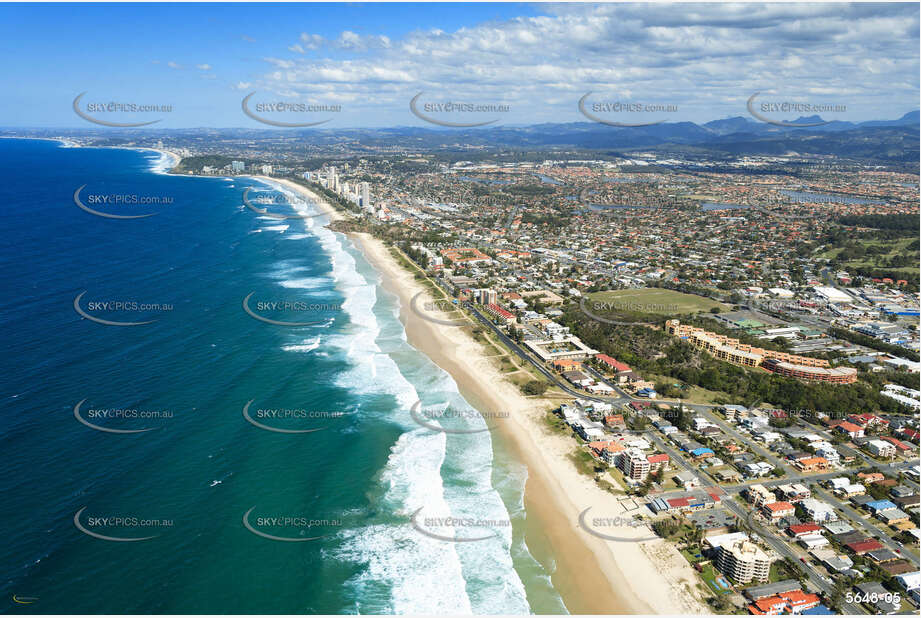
818	511
813	541
611	453
900	446
862	547
687	479
842	486
614	421
757	469
871	477
873	593
849	429
879	505
778	510
795	602
728	475
702	453
793	492
910	583
798	530
812	464
833	562
880	556
893	517
578	378
868	421
659	461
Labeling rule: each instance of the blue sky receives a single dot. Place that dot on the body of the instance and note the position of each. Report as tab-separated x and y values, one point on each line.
704	61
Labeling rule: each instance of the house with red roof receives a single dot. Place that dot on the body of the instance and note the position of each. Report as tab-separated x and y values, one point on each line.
898	444
868	421
794	602
862	547
849	429
799	530
659	461
778	510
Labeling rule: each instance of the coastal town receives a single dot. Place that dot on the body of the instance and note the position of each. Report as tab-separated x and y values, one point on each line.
779	509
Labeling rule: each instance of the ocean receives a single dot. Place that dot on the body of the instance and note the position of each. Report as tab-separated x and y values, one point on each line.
168	448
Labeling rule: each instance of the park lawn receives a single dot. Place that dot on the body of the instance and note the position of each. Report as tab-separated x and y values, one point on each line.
657	301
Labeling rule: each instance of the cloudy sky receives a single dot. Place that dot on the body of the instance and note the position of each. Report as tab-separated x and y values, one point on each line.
520	63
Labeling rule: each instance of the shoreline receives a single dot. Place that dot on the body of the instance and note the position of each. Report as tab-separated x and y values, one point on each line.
332	213
591	574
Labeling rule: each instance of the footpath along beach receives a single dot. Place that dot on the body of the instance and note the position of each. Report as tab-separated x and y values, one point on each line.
593	575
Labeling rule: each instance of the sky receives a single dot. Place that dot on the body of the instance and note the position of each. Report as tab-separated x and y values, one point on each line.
510	63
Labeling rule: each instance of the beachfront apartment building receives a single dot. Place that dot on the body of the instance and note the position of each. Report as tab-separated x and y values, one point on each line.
739	559
634	464
500	314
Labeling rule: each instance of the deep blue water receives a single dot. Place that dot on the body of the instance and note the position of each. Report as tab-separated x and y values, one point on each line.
189	480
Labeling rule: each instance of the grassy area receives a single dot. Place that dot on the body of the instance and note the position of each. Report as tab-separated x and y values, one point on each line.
689	555
584	462
655	301
888	249
692	393
710	575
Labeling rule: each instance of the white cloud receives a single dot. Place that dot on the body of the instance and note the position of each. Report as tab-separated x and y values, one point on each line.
707	59
203	67
311	41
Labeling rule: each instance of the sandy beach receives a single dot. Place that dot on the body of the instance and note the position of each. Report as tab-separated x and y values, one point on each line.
593	575
333	214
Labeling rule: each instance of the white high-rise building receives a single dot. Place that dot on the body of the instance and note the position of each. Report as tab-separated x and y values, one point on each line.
237	166
365	196
739	559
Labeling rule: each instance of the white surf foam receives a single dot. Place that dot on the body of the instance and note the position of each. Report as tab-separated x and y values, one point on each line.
423	575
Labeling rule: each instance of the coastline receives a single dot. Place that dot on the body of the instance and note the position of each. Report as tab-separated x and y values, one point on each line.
332	213
593	575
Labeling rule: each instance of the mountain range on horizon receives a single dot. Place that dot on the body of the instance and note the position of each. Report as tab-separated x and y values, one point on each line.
889	141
